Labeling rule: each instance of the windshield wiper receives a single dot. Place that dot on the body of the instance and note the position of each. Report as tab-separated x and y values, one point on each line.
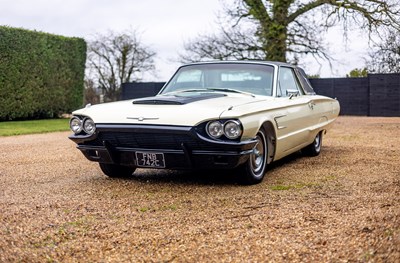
232	90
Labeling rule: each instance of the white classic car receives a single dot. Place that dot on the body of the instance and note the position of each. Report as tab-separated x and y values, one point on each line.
239	115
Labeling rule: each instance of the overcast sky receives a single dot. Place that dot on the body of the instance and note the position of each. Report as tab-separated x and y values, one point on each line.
165	25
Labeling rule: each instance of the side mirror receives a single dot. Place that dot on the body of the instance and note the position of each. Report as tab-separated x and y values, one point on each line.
292	93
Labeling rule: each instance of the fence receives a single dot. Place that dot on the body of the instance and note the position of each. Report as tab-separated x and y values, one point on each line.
134	90
375	95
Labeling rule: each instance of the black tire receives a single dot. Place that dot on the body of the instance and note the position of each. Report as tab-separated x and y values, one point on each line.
253	171
116	171
314	149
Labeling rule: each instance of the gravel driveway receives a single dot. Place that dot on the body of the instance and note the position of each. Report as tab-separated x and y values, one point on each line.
342	206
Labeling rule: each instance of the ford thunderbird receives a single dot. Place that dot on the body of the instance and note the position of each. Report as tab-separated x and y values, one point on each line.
213	115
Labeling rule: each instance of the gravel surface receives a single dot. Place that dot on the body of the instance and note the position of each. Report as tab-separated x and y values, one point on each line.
342	206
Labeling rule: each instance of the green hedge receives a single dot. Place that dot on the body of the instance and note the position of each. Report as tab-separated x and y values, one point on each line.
41	75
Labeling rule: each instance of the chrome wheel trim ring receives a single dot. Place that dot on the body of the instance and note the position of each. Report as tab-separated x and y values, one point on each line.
257	158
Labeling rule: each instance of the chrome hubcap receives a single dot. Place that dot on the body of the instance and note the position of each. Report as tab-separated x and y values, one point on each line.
316	142
257	158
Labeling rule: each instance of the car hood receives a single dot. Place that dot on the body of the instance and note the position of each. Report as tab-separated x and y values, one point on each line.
188	110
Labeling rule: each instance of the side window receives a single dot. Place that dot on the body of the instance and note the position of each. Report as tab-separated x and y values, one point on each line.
306	83
287	81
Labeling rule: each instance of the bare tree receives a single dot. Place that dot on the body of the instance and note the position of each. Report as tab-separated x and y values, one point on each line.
386	55
91	95
283	30
115	58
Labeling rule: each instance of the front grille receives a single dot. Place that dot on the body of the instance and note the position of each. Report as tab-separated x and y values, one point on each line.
149	140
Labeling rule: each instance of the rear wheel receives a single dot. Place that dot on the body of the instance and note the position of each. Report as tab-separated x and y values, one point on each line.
117	171
254	169
314	149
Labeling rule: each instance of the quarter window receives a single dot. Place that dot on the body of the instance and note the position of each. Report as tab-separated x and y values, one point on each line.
287	81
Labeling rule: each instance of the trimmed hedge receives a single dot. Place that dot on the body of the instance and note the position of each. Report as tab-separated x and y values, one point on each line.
41	75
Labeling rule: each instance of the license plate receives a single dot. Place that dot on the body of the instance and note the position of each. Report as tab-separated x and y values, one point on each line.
149	159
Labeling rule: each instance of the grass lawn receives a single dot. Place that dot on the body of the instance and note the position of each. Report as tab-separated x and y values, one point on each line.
10	128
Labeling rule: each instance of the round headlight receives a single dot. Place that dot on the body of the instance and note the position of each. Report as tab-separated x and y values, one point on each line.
76	125
215	129
232	129
88	126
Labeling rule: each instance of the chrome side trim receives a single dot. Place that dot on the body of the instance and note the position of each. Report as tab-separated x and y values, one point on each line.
277	123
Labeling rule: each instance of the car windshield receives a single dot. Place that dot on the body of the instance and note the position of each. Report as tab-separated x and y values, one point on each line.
240	78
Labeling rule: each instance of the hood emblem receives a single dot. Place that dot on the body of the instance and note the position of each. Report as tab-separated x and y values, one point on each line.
141	118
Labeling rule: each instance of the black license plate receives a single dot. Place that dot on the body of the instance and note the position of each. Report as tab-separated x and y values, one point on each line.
151	160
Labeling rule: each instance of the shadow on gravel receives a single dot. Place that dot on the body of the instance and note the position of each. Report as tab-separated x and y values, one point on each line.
187	177
200	177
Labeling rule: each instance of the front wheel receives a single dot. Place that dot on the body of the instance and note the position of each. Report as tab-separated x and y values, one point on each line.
254	169
116	171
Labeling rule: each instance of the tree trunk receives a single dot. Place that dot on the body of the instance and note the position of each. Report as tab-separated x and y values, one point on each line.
272	31
275	42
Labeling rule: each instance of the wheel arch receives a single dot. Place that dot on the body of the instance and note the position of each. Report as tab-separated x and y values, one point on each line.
269	128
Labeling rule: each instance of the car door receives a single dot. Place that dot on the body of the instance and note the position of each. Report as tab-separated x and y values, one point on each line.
296	117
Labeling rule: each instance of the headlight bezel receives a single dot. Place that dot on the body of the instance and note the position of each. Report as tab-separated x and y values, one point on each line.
238	127
78	124
224	124
215	124
91	129
82	125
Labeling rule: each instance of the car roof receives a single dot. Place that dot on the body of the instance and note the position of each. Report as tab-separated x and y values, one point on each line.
265	62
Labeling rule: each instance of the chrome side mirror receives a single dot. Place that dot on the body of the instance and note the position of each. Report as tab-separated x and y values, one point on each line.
292	93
